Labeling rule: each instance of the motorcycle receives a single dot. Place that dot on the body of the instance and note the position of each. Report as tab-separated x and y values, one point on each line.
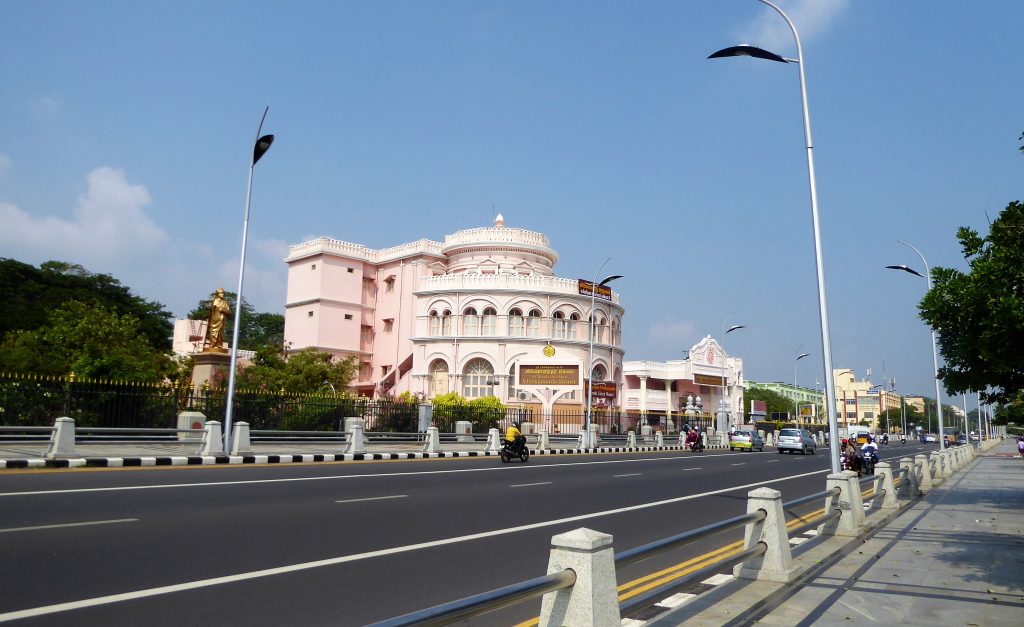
903	440
867	463
513	450
696	446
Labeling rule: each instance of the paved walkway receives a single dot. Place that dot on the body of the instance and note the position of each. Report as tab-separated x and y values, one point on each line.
955	557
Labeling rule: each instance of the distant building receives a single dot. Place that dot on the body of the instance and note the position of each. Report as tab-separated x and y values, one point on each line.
430	317
659	389
806	399
861	401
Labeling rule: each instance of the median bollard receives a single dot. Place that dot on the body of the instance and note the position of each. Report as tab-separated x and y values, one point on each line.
631	439
908	485
432	443
62	439
594	600
356	444
659	440
848	501
213	441
884	481
924	473
776	563
240	444
493	441
938	467
545	440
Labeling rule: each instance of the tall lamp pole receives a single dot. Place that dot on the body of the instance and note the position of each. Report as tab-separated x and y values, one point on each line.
726	407
586	440
796	405
927	276
259	149
826	345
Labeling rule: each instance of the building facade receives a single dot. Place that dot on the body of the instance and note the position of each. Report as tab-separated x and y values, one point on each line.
462	315
660	390
807	400
860	401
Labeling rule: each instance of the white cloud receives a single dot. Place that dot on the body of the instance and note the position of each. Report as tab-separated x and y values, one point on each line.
811	17
675	332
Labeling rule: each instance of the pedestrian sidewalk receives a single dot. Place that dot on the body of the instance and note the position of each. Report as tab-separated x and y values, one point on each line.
955	557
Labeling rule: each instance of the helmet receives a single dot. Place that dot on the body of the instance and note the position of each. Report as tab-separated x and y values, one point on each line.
870	439
845	441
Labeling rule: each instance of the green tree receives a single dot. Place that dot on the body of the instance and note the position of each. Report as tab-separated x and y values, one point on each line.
307	371
29	293
979	315
258	329
89	340
776	402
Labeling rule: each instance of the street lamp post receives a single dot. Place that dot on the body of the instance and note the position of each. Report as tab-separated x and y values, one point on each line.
826	345
725	402
259	149
586	440
796	404
927	276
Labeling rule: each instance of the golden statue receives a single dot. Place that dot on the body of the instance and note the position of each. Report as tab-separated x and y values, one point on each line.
219	310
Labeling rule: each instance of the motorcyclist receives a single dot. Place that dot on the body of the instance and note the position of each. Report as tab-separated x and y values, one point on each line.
692	437
849	452
870	451
515	438
885	438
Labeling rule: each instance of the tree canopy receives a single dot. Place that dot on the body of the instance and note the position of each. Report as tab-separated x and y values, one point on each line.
28	294
306	371
979	315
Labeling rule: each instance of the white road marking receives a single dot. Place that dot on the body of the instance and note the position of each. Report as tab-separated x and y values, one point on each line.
676	600
375	498
772	461
632	474
78	524
333	561
798	540
363	476
717	580
527	485
698	468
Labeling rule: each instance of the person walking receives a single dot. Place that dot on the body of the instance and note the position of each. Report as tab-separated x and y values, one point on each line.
1020	445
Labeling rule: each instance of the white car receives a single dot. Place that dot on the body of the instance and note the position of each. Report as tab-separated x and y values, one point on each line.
793	440
930	438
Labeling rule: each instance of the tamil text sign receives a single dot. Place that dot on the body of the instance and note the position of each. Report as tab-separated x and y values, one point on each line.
759	408
549	375
706	379
602	389
586	288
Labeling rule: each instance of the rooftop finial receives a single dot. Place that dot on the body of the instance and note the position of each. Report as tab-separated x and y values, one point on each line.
499	220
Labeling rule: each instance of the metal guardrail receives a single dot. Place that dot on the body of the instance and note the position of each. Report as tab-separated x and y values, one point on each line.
651	549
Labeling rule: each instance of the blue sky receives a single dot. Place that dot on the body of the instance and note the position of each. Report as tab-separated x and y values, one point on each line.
126	128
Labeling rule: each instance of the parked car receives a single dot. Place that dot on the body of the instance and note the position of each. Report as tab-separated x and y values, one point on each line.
796	440
745	440
930	438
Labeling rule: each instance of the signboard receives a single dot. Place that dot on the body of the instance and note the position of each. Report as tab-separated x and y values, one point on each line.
549	375
758	408
586	288
808	411
602	389
705	379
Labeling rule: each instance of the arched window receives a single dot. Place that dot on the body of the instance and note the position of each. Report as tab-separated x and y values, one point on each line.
470	322
490	322
571	331
438	378
478	379
601	324
558	325
597	374
616	339
446	323
516	324
435	323
533	323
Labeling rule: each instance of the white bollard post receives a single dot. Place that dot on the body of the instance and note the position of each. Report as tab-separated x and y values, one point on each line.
851	523
493	441
924	473
240	444
938	467
776	563
594	600
884	481
213	441
433	442
62	439
631	439
545	440
356	444
659	440
908	485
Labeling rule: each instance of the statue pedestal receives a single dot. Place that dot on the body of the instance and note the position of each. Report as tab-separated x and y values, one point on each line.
206	365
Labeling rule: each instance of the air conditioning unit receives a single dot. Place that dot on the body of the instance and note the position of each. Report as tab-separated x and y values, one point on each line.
524	396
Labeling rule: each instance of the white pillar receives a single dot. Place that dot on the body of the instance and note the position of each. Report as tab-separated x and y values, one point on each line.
356	444
908	488
213	441
62	439
240	444
659	440
545	440
594	600
848	501
776	564
433	442
884	481
493	441
631	439
924	473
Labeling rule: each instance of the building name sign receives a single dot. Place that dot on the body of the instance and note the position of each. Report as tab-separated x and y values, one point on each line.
550	375
758	408
602	389
705	379
586	288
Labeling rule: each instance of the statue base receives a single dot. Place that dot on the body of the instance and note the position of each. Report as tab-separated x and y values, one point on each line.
210	368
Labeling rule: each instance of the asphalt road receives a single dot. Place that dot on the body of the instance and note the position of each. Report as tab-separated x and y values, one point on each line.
348	543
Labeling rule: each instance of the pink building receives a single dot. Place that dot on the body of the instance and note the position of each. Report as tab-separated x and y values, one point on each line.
461	315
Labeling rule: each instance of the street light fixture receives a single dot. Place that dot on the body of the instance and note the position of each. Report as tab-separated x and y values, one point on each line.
796	405
586	440
927	276
260	148
726	403
826	345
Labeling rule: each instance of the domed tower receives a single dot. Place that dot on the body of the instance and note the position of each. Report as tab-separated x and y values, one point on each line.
499	249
